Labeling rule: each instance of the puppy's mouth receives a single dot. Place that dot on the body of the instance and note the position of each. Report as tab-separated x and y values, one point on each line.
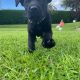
37	21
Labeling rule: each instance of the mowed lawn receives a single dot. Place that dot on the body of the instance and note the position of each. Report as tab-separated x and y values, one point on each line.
59	63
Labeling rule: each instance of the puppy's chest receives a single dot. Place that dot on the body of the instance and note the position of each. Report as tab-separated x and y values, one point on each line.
39	30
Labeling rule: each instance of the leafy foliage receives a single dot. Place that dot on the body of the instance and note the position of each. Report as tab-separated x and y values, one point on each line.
73	5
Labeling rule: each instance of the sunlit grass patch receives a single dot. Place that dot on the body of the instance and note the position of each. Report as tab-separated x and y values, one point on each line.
59	63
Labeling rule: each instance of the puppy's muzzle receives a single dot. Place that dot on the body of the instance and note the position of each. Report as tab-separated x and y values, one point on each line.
35	13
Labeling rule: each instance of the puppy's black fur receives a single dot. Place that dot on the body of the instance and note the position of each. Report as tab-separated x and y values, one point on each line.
39	22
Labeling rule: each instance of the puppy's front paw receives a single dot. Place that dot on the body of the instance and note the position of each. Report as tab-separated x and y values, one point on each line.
48	44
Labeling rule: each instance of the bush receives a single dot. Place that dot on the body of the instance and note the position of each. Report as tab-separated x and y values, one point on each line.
67	16
12	17
18	16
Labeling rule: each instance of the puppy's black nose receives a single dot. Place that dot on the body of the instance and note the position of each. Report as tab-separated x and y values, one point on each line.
33	9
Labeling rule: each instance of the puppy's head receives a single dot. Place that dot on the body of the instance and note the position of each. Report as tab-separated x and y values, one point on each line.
36	9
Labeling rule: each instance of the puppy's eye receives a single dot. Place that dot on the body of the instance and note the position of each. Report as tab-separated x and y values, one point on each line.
28	0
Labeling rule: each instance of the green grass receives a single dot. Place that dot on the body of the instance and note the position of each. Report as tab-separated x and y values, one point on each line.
59	63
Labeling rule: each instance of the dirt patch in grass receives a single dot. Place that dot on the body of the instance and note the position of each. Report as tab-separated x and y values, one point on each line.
77	28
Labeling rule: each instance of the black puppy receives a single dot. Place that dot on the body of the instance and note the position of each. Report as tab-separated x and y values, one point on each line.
39	23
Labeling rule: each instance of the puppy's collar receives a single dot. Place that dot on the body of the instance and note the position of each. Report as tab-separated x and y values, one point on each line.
41	20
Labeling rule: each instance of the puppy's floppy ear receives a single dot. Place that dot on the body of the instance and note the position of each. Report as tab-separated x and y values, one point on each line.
49	1
19	1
